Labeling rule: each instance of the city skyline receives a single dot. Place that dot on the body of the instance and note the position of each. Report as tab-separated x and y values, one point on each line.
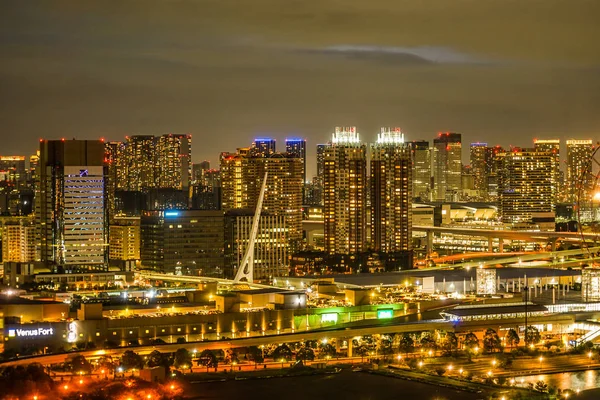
227	74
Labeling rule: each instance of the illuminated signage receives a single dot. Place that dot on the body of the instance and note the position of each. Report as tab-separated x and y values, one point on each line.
71	332
383	314
330	317
171	213
30	332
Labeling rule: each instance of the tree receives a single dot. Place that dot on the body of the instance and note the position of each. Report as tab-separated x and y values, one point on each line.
491	341
360	349
305	354
131	360
208	359
450	342
80	364
407	344
512	338
471	342
106	363
256	354
181	340
21	381
282	353
158	359
532	335
182	359
326	350
541	386
427	341
384	345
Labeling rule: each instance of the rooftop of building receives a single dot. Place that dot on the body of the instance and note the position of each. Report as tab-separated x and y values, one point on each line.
511	308
16	300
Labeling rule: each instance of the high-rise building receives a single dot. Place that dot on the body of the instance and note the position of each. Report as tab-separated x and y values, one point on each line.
447	166
113	154
182	242
391	192
241	179
479	153
263	147
174	162
421	173
198	170
345	193
297	148
552	146
137	167
148	162
321	159
579	169
270	248
70	208
525	186
492	171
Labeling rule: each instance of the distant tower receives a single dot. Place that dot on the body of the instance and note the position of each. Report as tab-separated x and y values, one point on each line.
421	174
174	164
70	185
297	149
447	166
344	193
263	147
391	192
478	161
579	159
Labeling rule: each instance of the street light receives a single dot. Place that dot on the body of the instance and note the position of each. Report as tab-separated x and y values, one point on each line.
541	359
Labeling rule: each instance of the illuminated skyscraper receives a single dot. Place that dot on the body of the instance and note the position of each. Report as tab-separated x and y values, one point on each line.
149	162
479	154
492	171
447	166
113	155
391	192
70	208
525	186
421	169
344	193
12	170
320	159
137	167
552	146
579	160
241	178
174	163
263	147
297	149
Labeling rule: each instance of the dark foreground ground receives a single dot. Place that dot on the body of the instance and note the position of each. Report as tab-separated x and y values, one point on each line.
345	385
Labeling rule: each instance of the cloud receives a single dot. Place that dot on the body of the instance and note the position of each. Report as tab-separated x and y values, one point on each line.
416	55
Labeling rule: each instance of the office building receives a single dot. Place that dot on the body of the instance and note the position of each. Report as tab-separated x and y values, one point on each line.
297	148
391	192
113	154
345	193
70	208
182	242
270	247
137	166
580	176
12	170
447	166
492	171
421	174
124	239
478	160
18	239
525	186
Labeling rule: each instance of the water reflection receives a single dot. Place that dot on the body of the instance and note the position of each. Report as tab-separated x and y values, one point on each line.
583	380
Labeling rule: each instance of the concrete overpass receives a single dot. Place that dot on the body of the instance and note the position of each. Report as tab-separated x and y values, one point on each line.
491	234
157	276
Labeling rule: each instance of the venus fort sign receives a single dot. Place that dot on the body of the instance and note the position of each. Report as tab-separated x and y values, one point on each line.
30	332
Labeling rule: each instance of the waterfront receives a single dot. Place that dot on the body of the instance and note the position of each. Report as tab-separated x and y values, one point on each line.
345	385
582	380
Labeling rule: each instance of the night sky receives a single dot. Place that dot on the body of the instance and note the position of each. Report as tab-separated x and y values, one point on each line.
226	71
